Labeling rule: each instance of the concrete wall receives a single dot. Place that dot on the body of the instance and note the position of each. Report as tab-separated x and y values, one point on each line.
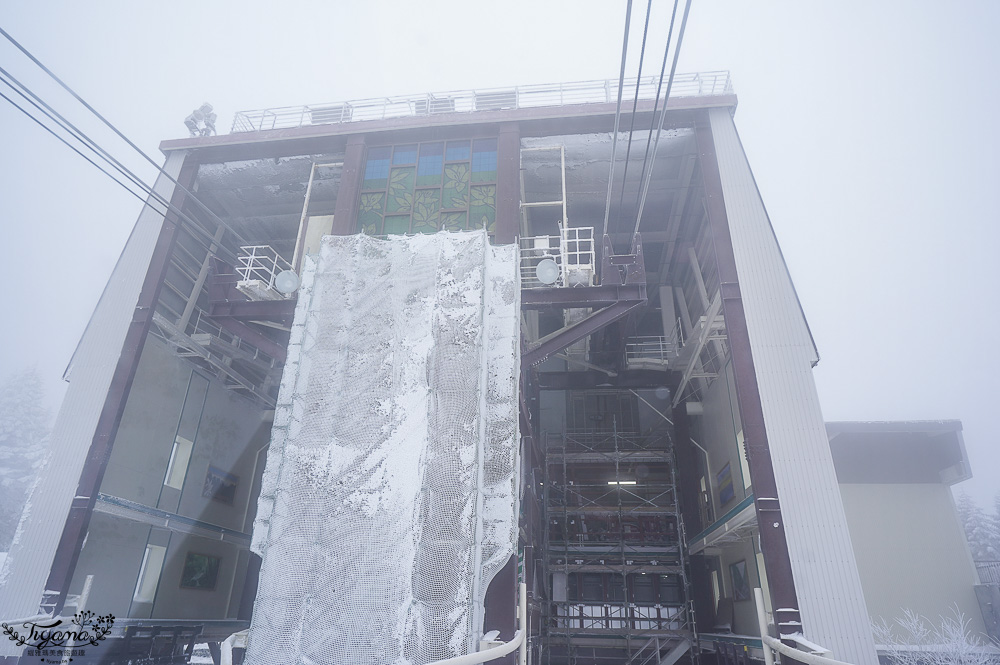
911	551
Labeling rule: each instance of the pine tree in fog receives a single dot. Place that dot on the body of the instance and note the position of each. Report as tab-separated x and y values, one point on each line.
24	432
981	530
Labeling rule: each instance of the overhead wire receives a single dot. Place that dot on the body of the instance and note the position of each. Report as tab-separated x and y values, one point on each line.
113	128
77	151
635	105
26	93
656	102
618	113
663	115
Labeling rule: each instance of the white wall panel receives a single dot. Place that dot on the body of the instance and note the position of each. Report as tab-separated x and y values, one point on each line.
26	571
826	578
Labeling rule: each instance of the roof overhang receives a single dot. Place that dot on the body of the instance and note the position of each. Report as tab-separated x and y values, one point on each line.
915	451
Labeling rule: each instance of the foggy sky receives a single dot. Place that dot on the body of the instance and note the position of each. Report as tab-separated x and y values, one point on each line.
870	127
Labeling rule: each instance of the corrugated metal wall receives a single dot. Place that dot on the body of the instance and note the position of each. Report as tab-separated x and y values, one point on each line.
826	577
27	567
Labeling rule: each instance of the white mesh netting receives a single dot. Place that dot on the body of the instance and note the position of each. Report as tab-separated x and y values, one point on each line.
389	496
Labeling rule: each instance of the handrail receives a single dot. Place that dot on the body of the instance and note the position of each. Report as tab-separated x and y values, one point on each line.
492	653
696	84
770	643
499	651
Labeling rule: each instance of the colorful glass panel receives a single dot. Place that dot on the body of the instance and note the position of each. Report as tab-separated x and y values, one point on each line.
457	151
376	168
426	210
396	225
430	165
422	188
370	213
483	208
454	221
400	190
484	160
456	187
404	154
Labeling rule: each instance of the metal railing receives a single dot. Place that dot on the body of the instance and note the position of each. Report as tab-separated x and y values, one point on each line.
650	350
577	616
258	268
699	84
573	252
989	572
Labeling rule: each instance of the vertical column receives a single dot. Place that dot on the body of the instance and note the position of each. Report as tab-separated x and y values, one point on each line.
508	183
345	217
803	528
771	524
81	509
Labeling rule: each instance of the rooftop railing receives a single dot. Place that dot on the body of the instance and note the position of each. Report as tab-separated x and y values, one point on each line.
700	84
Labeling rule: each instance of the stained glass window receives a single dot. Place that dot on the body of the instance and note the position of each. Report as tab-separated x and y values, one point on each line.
423	188
484	160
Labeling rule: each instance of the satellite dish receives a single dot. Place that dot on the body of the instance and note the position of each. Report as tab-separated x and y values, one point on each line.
286	282
547	271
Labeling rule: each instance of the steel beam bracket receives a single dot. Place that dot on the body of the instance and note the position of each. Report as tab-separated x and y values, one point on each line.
622	289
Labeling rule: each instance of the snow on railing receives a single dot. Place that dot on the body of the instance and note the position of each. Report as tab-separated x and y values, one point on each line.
699	84
572	252
259	267
989	572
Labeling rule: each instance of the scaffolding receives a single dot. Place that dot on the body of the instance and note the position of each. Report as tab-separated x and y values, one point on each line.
614	548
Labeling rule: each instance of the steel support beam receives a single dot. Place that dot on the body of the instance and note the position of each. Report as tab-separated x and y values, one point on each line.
277	311
274	349
773	543
540	351
638	379
582	296
508	183
82	508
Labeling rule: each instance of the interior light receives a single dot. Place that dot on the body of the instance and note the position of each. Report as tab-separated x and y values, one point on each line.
621	482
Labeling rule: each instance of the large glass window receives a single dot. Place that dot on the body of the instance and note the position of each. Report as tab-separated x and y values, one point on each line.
423	188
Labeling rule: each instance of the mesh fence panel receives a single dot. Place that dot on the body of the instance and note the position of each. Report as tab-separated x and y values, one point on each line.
389	493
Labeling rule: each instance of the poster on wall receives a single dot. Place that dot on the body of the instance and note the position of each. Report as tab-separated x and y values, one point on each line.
724	481
220	486
741	585
201	571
